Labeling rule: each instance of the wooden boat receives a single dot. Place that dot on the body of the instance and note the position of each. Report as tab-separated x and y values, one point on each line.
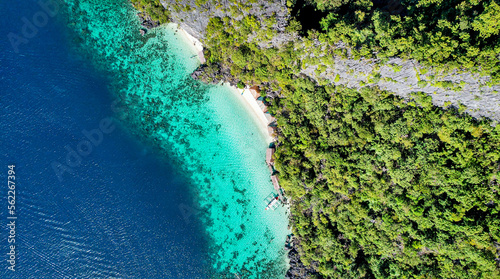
272	201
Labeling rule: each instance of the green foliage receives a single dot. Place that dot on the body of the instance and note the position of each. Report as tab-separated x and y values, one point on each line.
422	83
337	78
397	68
374	78
387	188
488	23
153	8
448	34
381	187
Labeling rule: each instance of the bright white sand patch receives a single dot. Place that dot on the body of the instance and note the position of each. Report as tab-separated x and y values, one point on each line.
251	105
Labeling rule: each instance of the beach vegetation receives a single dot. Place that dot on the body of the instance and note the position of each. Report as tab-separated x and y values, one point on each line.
380	186
388	188
154	9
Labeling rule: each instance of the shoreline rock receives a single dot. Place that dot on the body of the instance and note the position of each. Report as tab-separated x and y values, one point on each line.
195	24
147	22
297	268
214	74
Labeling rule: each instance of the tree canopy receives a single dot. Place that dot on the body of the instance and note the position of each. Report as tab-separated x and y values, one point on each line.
388	188
381	187
453	34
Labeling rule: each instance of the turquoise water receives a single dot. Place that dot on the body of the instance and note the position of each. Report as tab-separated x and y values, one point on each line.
205	131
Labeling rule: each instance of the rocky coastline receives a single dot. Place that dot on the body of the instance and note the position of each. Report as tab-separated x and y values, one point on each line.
396	75
147	22
215	73
297	268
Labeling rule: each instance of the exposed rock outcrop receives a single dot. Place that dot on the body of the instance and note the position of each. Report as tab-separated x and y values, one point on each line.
403	77
297	268
147	22
194	19
214	74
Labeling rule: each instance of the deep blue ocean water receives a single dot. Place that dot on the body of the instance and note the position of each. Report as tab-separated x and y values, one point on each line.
125	166
119	215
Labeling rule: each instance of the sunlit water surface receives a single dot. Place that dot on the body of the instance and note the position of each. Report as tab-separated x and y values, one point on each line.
176	190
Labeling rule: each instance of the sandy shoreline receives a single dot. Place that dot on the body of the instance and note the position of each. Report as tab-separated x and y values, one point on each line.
248	100
242	94
259	116
195	43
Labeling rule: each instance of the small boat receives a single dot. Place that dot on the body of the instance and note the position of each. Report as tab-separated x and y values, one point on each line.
272	201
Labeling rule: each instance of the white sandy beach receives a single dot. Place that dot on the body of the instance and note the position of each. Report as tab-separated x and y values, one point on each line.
249	101
242	94
197	45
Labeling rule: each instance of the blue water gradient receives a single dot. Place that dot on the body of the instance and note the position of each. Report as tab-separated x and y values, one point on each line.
123	213
125	166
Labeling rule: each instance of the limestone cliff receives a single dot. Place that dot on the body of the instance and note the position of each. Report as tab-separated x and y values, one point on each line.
194	15
401	77
471	92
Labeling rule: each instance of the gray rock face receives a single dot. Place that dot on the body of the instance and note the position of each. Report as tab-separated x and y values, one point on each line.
214	74
452	89
147	22
297	268
402	78
195	20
